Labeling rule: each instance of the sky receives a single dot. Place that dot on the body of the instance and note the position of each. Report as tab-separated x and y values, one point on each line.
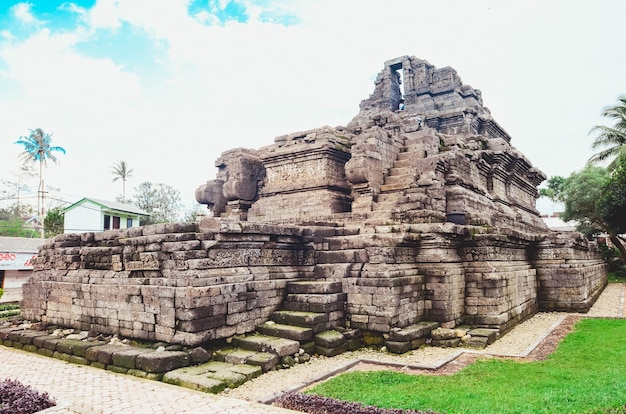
168	85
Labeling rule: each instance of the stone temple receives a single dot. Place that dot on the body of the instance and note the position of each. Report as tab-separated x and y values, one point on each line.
419	211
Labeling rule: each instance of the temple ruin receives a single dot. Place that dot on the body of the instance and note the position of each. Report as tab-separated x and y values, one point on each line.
419	210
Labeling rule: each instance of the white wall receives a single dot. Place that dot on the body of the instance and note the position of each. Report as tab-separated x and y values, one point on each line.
82	218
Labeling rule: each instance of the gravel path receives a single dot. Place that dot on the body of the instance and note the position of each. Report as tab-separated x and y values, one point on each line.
520	341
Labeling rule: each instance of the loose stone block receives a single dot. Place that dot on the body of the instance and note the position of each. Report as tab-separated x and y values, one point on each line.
329	339
126	358
159	362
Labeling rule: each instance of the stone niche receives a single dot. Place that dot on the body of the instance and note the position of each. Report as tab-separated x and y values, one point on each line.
420	214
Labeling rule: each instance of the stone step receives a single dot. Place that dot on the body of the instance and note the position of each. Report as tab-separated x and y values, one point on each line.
314	286
393	197
400	170
307	319
408	164
265	360
296	333
322	303
388	188
212	377
409	337
266	343
408	154
400	179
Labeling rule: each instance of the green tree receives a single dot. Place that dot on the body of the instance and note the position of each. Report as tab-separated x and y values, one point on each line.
12	221
160	200
581	191
38	148
611	139
122	172
612	205
554	188
596	200
14	227
53	223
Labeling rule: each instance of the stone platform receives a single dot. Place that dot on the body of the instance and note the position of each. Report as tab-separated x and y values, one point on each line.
419	210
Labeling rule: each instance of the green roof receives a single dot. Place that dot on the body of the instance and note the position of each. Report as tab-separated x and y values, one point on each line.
110	205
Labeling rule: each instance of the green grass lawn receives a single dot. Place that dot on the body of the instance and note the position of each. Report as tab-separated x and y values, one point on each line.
586	373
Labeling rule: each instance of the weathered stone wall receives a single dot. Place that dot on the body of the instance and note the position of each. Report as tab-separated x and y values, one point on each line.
570	273
501	285
169	283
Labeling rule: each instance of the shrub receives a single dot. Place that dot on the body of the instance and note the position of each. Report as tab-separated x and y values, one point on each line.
315	404
9	306
17	398
610	255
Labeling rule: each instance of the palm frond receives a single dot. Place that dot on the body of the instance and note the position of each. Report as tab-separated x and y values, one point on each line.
612	137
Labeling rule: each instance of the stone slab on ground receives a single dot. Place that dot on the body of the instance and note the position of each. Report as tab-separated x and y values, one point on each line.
264	343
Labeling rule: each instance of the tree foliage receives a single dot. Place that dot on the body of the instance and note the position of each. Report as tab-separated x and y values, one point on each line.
581	191
12	221
160	200
554	190
38	148
14	227
53	223
612	203
596	199
121	171
612	140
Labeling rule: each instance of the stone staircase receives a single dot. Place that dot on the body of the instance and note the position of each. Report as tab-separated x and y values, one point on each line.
400	188
309	322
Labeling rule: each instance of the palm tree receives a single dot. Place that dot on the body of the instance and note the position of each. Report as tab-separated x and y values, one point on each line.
121	171
37	148
612	139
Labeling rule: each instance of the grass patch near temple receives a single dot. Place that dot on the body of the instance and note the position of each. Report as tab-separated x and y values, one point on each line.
617	275
586	374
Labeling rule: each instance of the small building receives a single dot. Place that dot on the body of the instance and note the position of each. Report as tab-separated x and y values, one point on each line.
93	215
17	256
554	222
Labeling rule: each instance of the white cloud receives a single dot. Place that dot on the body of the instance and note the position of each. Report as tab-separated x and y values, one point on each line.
22	12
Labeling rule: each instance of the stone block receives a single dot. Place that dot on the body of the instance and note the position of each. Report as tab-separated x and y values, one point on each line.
195	380
446	343
199	355
490	334
75	346
263	343
330	352
329	339
159	362
74	359
126	358
398	347
477	342
45	352
115	368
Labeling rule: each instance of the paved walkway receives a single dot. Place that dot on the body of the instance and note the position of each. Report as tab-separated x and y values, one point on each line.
86	390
